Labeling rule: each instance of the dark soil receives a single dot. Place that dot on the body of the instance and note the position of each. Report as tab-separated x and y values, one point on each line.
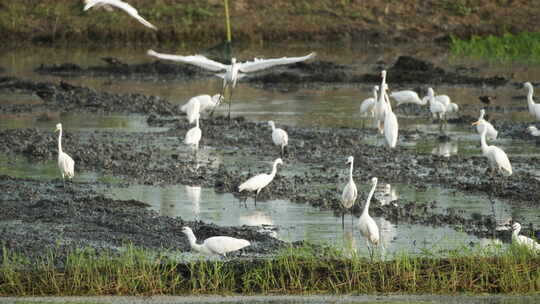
41	214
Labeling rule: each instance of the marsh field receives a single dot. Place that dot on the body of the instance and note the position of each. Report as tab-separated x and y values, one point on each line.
115	228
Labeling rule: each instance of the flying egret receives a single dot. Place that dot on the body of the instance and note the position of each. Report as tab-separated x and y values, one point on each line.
66	164
193	135
206	103
497	158
235	70
216	245
533	130
390	124
279	137
381	105
534	108
368	227
523	240
491	133
349	194
258	182
368	105
121	5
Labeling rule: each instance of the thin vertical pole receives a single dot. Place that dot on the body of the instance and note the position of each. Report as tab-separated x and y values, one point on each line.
227	20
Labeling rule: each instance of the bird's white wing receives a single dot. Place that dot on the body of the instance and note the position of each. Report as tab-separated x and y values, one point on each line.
67	164
255	182
198	60
280	137
349	193
391	129
367	105
502	160
123	6
224	244
260	64
193	136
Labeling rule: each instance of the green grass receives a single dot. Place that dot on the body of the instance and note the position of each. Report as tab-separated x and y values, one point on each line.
293	271
521	47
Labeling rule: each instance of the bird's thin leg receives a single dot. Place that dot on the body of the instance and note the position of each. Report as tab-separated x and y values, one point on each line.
282	151
343	220
230	102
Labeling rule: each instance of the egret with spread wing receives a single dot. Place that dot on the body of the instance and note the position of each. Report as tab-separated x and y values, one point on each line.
121	5
230	72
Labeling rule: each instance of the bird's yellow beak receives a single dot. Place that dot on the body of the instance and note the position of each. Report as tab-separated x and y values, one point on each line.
475	123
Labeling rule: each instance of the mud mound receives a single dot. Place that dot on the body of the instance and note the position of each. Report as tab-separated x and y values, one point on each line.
65	97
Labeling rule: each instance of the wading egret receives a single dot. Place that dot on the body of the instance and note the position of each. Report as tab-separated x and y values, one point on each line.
235	70
216	245
533	130
66	164
497	158
381	105
348	197
534	108
523	240
279	137
258	182
193	111
121	5
193	135
368	105
368	227
437	108
206	103
390	124
407	96
491	133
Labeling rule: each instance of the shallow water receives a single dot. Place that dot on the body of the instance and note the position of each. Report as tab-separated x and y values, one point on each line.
321	106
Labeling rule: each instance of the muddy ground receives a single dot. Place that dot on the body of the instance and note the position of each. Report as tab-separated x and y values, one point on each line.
40	214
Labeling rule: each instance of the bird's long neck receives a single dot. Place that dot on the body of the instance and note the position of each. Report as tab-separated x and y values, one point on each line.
60	141
197	121
515	233
351	171
375	94
366	206
273	127
193	241
274	170
481	116
530	100
483	139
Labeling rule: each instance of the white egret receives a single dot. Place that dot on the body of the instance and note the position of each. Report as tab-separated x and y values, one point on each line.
437	108
533	130
534	108
368	105
368	227
279	137
491	132
193	110
193	135
523	240
235	70
498	160
349	194
390	124
381	105
216	245
407	96
66	164
121	5
258	182
206	103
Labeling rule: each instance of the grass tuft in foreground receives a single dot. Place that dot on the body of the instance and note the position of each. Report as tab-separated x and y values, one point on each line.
524	46
293	271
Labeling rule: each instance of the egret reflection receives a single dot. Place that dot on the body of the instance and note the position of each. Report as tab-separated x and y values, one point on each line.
446	149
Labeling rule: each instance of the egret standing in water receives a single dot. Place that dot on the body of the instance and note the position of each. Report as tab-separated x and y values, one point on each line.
368	105
523	240
258	182
66	164
216	245
497	158
348	197
381	105
482	123
534	108
279	137
390	124
437	108
193	135
368	227
232	72
193	110
121	5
